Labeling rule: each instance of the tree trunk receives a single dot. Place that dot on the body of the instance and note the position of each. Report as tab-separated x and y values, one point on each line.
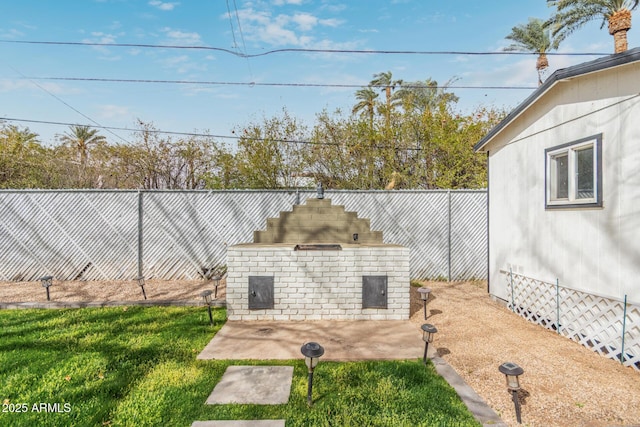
541	64
619	24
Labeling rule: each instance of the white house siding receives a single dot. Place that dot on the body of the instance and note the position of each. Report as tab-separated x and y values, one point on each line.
596	250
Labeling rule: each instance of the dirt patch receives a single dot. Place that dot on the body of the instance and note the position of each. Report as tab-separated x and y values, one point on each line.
74	291
564	384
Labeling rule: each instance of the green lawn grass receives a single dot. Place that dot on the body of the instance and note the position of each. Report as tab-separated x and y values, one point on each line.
136	366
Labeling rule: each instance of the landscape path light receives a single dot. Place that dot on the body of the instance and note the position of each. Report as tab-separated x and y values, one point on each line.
216	279
141	284
424	295
47	281
512	372
312	351
428	332
206	296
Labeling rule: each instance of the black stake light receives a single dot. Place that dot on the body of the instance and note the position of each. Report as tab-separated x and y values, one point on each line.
512	372
424	295
312	352
47	281
319	191
206	296
216	279
141	284
428	332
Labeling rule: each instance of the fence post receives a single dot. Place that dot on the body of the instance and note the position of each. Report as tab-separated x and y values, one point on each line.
513	306
140	213
624	327
449	236
557	305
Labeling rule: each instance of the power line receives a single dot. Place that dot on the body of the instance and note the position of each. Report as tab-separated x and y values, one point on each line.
251	84
244	46
302	50
203	135
66	104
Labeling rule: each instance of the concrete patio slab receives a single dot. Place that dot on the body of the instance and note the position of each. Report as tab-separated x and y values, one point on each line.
239	423
260	385
343	340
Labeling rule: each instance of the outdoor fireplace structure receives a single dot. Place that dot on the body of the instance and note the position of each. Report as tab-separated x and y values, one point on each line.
317	262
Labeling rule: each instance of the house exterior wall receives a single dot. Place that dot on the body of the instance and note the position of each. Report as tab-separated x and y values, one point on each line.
596	250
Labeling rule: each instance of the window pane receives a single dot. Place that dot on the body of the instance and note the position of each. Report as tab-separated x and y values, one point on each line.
584	173
560	177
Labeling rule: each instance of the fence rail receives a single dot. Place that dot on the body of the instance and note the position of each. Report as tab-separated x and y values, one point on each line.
609	326
173	235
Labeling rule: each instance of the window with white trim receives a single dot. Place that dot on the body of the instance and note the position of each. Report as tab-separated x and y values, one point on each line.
574	174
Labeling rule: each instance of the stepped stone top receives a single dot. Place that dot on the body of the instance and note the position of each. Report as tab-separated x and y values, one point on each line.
318	221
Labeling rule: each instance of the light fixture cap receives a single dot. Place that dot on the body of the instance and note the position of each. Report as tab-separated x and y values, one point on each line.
511	369
312	350
428	330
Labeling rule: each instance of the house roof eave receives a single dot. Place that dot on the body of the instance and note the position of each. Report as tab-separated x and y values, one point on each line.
563	74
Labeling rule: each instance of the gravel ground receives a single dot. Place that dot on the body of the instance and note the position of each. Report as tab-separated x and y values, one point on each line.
564	384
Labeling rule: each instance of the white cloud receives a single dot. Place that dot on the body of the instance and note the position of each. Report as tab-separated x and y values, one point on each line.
10	85
163	5
11	33
283	2
305	21
331	22
182	64
282	29
110	111
177	37
103	38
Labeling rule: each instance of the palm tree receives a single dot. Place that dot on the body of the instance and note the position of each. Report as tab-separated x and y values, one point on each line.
367	98
386	82
572	14
532	37
18	139
424	95
80	138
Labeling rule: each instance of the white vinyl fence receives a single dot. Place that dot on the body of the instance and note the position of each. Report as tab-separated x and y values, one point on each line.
172	235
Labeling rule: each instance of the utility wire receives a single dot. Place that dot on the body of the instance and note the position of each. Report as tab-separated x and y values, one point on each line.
68	105
251	84
301	50
244	46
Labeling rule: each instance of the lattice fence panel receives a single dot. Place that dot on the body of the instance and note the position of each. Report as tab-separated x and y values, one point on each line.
407	219
186	233
468	235
632	337
70	235
594	321
533	299
94	234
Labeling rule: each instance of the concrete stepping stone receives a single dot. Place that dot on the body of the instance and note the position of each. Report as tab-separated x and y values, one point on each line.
239	423
260	385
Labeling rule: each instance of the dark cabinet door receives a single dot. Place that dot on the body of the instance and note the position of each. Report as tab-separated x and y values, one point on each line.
374	291
260	292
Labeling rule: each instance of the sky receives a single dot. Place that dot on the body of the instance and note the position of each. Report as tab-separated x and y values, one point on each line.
233	90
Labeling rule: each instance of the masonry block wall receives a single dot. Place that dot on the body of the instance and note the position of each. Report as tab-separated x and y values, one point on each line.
318	221
318	284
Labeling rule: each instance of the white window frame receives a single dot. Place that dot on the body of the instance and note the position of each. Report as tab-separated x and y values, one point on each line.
571	149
